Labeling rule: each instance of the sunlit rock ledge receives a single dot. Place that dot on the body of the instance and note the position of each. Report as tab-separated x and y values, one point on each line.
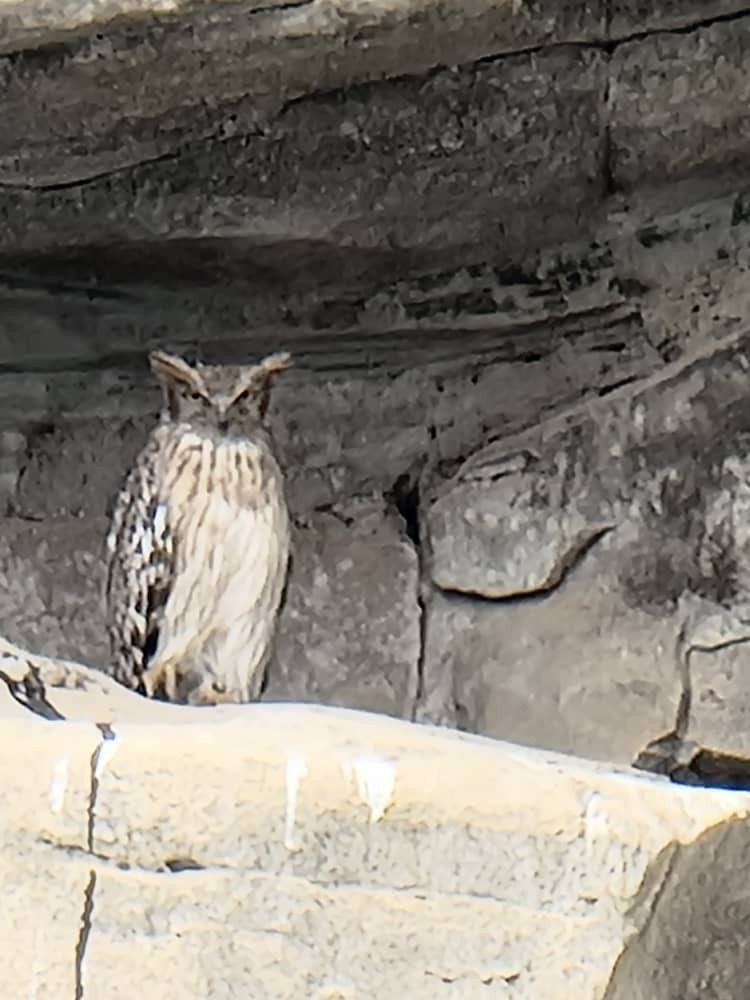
288	850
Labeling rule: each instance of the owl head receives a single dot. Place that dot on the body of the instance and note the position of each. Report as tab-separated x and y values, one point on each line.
228	399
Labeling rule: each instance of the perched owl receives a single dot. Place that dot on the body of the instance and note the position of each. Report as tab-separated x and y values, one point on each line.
198	548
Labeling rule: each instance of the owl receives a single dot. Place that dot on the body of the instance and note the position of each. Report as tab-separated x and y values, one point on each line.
198	548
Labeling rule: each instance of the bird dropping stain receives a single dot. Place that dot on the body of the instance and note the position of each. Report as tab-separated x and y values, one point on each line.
296	770
595	821
59	785
376	780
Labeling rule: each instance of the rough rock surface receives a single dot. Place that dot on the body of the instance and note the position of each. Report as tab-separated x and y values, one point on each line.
315	840
349	631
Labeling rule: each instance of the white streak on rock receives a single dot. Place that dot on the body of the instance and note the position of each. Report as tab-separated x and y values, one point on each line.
59	785
376	779
595	822
105	754
296	769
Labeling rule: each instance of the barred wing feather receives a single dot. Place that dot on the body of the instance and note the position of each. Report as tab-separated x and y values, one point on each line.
140	560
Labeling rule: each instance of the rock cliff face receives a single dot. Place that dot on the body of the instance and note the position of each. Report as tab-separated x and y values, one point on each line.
508	244
509	247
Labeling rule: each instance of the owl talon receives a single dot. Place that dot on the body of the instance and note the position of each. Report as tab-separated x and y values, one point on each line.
164	677
209	693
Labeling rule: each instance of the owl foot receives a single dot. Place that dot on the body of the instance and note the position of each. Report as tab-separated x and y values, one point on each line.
162	677
212	692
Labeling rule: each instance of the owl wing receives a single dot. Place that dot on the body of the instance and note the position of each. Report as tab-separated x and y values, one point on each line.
139	572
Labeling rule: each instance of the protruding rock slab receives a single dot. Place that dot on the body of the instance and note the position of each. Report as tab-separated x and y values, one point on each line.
594	538
663	468
339	849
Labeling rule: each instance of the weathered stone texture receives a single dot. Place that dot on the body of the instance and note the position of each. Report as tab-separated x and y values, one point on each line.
636	17
132	149
414	163
678	101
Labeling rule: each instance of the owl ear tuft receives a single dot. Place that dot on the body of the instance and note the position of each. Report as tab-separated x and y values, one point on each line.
274	364
257	379
169	368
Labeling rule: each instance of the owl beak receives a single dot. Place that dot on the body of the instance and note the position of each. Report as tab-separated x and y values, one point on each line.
223	421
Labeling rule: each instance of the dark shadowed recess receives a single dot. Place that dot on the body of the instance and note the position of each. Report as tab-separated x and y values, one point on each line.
189	263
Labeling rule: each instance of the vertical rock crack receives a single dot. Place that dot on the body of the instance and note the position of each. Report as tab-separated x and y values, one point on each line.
83	934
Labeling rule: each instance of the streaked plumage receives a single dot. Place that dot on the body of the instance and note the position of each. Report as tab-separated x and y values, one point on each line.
199	542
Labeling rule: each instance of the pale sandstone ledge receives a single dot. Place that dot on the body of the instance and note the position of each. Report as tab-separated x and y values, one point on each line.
300	851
